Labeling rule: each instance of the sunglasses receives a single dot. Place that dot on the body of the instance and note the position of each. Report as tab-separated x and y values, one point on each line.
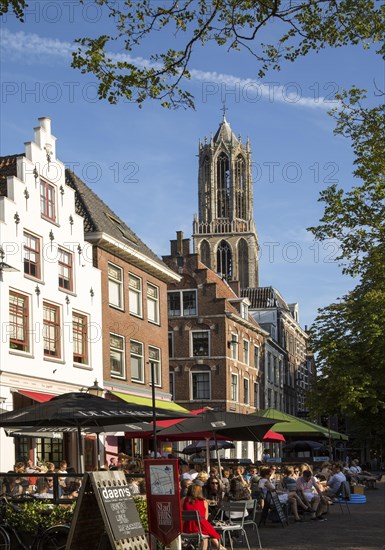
296	471
214	483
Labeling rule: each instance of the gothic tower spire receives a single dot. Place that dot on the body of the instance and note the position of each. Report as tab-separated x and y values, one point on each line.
224	231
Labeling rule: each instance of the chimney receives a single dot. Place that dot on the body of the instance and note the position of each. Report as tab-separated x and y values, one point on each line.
235	287
179	242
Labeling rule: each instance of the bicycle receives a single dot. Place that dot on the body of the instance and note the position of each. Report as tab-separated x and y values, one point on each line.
53	538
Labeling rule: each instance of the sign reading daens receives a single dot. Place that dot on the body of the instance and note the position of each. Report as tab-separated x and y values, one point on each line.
106	509
121	512
162	479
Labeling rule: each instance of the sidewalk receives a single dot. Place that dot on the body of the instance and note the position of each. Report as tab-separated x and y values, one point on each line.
363	529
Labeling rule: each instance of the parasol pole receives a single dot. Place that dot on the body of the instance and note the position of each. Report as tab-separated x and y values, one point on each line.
152	365
81	455
208	454
218	457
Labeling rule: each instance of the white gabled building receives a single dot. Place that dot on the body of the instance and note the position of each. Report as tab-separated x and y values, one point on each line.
50	294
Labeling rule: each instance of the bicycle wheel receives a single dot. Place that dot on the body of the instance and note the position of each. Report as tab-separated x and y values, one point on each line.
54	538
5	541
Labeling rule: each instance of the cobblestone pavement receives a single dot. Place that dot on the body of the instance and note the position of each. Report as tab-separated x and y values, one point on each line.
363	529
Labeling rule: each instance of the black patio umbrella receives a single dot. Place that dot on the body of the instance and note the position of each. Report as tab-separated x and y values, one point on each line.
81	410
306	445
243	427
211	445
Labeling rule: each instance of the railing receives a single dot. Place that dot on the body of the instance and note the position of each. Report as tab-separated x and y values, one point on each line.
225	226
53	488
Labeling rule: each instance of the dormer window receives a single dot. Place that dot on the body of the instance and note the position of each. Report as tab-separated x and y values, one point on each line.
244	310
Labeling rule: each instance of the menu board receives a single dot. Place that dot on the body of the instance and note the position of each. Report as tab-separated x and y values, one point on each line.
121	512
105	507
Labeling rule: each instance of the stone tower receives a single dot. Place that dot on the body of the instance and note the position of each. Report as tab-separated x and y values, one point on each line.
224	232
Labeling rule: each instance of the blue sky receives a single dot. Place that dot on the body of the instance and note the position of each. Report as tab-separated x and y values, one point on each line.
143	162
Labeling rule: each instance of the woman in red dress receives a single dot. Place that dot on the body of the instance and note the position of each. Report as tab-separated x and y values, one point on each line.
195	501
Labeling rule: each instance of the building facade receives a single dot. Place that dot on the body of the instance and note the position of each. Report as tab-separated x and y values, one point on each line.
281	320
215	346
50	299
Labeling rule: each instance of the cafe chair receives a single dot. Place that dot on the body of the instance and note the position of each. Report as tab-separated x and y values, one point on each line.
251	519
196	539
343	496
234	526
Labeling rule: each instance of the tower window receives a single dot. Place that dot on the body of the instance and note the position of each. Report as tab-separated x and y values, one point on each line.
224	260
223	186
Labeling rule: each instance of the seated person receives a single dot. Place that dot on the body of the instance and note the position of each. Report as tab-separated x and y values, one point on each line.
284	495
48	489
12	486
334	481
214	489
308	490
194	500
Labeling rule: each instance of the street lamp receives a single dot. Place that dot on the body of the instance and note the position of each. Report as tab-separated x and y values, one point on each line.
95	389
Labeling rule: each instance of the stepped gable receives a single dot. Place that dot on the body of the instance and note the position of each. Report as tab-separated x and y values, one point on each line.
223	290
264	297
8	167
99	217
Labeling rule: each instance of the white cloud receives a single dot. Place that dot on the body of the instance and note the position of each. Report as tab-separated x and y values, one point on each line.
18	43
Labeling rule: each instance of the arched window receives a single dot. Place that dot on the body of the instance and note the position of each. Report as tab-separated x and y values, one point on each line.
205	253
243	263
224	260
207	186
223	186
240	188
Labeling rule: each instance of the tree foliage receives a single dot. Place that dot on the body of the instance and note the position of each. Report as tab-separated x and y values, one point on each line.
15	6
304	26
348	337
137	73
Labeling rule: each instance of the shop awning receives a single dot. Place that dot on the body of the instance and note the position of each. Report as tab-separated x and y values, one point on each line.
139	400
36	396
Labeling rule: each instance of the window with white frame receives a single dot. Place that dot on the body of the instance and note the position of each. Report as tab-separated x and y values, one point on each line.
80	338
19	322
246	391
115	286
135	295
32	255
246	352
154	358
152	303
51	330
244	310
200	385
234	387
117	362
182	303
65	269
47	200
200	343
136	359
234	347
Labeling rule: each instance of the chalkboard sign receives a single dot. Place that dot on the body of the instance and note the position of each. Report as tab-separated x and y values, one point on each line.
271	505
105	506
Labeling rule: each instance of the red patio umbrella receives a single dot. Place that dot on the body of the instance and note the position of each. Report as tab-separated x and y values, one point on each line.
273	437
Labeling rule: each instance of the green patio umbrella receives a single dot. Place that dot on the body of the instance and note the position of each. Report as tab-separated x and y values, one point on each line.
298	427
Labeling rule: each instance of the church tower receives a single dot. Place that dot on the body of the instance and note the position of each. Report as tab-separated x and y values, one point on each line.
224	232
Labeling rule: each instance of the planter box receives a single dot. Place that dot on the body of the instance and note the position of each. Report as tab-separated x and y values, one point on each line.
358	489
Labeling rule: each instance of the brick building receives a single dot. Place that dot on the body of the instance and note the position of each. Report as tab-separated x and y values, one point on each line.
215	345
